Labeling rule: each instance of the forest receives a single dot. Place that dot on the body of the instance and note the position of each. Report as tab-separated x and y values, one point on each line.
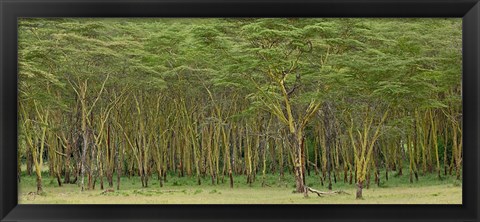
327	106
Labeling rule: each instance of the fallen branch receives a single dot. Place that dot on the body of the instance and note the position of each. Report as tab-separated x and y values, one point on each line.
320	193
171	191
107	191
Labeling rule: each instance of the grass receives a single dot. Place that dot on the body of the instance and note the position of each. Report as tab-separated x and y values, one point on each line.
398	190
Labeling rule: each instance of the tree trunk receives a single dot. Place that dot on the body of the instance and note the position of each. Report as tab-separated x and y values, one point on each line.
29	162
67	163
231	178
39	184
359	190
299	174
83	161
59	179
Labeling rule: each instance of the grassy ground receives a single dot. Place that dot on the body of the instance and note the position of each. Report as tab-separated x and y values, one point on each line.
398	190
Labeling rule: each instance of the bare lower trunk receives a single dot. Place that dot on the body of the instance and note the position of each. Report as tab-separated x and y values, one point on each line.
350	179
329	180
359	190
101	182
29	163
118	179
118	162
231	178
84	154
297	139
59	179
145	177
67	166
94	182
39	185
90	181
300	186
159	172
110	179
299	181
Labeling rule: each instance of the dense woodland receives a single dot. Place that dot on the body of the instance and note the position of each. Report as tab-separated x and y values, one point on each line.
343	100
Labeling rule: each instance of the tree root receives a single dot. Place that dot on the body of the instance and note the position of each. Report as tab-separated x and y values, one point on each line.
320	193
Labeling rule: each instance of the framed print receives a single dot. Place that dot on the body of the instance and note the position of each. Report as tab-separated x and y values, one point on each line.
228	110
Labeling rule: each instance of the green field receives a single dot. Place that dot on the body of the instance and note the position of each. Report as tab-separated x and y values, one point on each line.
398	190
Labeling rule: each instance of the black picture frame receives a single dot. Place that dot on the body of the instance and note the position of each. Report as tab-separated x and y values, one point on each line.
11	10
